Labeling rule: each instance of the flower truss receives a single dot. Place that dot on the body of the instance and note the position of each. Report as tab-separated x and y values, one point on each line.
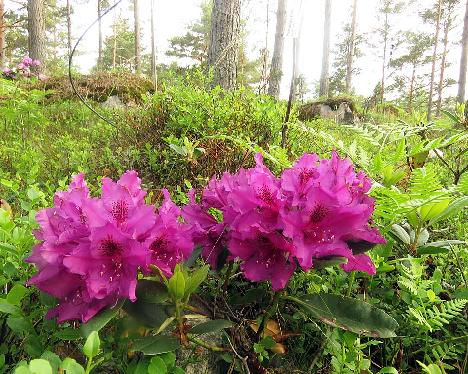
91	250
23	70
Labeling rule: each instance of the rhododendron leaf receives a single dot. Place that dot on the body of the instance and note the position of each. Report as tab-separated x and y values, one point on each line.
325	262
195	279
100	320
430	250
176	285
431	210
348	314
360	246
70	366
151	291
401	233
150	315
157	366
92	345
155	345
211	326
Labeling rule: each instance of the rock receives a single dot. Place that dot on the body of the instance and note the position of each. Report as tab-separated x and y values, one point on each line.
339	109
113	102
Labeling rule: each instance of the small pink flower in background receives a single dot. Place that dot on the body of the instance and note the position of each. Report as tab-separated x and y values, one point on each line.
27	61
21	66
35	63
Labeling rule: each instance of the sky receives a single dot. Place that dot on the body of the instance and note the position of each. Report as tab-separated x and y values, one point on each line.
305	18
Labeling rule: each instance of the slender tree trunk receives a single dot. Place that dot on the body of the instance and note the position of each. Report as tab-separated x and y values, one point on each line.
324	82
136	16
276	70
2	34
99	12
384	61
69	26
223	53
447	26
36	31
411	90
114	44
463	59
434	60
352	42
292	92
154	72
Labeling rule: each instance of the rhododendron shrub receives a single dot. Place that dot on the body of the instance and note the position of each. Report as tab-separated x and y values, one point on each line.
25	69
318	209
92	250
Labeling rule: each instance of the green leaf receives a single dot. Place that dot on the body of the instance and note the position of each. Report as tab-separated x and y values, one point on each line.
70	366
169	359
325	262
40	366
157	366
211	326
155	345
388	370
348	314
431	250
195	279
431	210
53	359
100	320
149	314
452	209
151	291
16	294
69	333
7	308
22	370
176	285
430	369
92	345
401	233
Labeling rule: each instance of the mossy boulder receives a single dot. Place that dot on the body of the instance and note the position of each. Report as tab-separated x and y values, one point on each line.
341	109
128	87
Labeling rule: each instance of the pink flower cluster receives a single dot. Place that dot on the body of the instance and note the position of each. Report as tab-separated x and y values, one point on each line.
92	249
316	210
23	69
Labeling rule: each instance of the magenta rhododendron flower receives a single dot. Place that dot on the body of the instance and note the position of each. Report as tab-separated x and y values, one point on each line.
92	249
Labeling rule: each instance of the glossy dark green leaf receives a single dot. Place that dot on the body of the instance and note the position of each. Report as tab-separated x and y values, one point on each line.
211	326
151	291
195	279
155	345
325	262
150	315
430	250
100	320
348	314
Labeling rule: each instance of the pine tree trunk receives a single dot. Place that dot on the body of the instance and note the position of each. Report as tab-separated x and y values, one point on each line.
154	72
2	34
223	53
324	81
114	44
69	34
36	32
463	59
384	61
276	69
99	12
440	88
352	42
136	16
434	60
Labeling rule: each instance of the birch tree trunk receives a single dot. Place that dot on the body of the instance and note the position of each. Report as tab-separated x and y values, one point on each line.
324	81
434	59
36	32
69	34
99	12
154	72
463	59
223	53
136	17
352	42
276	69
384	61
2	34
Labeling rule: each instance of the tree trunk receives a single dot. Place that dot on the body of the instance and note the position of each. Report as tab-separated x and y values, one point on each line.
384	61
276	69
292	92
463	59
324	83
99	12
223	53
114	44
352	42
154	72
447	26
2	34
434	59
36	32
136	16
411	90
69	34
